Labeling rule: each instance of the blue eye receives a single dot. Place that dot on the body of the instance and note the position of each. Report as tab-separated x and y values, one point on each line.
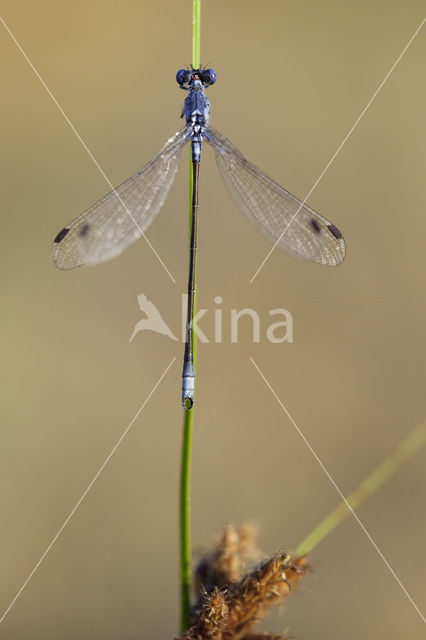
182	76
209	76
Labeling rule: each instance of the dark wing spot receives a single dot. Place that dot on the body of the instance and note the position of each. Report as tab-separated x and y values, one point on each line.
61	235
335	231
84	229
315	225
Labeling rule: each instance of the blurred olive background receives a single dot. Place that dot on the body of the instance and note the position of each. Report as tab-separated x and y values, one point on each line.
292	79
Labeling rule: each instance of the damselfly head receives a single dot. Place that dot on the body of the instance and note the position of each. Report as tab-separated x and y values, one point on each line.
185	77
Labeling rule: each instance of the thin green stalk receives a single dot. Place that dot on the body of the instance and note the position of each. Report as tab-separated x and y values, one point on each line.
196	38
185	514
185	478
390	465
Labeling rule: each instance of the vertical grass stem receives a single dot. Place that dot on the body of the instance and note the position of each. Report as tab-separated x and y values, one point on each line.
185	478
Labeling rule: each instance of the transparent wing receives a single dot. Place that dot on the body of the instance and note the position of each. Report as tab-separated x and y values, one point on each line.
112	224
280	216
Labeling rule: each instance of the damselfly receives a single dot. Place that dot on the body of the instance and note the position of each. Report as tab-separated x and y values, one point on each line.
121	217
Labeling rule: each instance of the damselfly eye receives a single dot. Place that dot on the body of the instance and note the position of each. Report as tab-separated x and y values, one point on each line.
182	76
208	76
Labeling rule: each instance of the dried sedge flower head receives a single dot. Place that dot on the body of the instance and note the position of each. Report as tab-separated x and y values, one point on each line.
266	586
233	613
210	615
264	636
234	550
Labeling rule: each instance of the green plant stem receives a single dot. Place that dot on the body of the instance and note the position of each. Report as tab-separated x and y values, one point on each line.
415	440
185	514
196	38
185	477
